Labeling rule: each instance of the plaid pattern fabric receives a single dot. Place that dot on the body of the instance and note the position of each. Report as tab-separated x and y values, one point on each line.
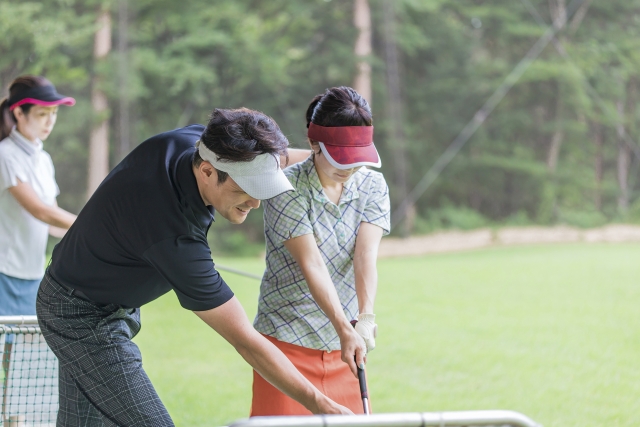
101	382
286	309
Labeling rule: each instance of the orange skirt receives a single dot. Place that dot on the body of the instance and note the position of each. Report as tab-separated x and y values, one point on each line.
324	369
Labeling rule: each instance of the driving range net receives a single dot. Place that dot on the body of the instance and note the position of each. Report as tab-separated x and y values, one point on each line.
28	378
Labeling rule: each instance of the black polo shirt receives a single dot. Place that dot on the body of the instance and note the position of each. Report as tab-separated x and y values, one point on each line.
144	232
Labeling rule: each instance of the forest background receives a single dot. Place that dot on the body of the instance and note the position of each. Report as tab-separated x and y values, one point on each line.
532	102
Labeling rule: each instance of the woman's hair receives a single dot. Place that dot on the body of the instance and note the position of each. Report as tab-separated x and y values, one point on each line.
22	83
339	106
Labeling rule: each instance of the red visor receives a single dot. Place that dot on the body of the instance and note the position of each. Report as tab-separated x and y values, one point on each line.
346	147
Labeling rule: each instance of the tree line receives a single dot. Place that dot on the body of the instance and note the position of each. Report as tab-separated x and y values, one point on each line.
560	146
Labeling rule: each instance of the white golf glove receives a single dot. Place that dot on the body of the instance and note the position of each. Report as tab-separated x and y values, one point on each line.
367	329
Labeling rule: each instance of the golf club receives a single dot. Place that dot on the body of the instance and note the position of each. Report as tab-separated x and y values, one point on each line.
362	379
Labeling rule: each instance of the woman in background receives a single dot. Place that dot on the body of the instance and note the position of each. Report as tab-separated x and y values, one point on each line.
28	190
322	244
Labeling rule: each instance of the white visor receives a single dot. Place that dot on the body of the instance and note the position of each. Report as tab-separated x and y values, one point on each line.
261	178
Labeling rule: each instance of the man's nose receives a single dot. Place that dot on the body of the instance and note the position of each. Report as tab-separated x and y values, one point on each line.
253	203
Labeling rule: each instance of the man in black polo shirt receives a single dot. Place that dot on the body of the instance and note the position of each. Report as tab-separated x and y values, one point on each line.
144	233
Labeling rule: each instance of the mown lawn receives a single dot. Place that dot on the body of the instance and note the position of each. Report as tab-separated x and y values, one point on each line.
550	331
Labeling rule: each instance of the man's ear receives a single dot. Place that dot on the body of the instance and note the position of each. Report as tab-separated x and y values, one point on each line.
206	168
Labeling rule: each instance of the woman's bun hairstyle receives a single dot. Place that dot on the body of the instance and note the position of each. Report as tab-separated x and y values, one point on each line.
339	106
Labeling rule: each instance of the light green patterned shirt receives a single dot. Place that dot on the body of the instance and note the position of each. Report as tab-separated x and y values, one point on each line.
286	309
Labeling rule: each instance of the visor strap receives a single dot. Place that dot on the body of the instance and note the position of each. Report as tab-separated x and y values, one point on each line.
233	168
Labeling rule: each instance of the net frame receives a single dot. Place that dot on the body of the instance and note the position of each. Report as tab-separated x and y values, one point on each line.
495	418
28	375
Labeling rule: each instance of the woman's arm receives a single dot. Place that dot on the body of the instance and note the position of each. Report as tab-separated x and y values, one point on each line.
57	231
366	273
304	250
52	215
296	155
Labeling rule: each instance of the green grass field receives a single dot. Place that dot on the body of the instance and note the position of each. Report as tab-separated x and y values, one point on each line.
550	331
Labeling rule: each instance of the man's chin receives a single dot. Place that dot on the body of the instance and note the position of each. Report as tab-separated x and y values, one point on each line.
236	219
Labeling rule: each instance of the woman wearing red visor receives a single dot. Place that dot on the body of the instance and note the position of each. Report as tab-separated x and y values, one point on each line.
322	243
28	190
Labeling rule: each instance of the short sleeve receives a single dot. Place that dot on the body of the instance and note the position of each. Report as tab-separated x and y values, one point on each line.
378	208
185	262
10	172
287	216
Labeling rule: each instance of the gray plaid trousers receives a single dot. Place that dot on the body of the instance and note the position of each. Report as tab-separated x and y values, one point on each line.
102	382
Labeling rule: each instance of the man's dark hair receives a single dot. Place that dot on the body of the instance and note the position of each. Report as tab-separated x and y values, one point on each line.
240	135
339	106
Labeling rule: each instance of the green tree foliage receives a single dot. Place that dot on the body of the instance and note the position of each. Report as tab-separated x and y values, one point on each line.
186	58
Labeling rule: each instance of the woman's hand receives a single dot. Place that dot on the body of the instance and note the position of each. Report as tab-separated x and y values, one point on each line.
353	348
367	329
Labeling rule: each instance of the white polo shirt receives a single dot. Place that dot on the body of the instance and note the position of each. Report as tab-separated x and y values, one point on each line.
23	238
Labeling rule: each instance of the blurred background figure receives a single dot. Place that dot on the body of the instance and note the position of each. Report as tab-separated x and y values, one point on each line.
28	191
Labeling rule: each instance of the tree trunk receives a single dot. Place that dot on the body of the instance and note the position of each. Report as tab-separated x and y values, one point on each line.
578	17
558	12
362	21
598	139
624	159
99	142
558	134
395	136
124	145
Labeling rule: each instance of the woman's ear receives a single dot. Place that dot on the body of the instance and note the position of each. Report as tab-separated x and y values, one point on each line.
315	146
18	113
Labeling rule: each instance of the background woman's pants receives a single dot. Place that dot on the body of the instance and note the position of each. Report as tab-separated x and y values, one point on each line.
325	370
102	382
17	296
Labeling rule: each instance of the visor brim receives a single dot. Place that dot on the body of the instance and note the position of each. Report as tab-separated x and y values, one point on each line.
265	186
351	157
67	100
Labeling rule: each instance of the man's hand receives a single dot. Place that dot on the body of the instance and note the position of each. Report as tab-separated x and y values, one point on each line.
353	348
367	329
328	406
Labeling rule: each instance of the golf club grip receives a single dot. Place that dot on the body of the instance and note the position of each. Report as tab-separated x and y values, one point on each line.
362	379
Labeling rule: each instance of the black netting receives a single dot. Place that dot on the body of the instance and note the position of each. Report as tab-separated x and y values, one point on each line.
28	379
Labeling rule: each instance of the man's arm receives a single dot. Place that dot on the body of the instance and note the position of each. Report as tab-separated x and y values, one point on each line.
29	200
304	250
231	322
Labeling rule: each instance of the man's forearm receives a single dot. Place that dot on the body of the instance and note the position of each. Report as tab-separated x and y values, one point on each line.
230	321
276	368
